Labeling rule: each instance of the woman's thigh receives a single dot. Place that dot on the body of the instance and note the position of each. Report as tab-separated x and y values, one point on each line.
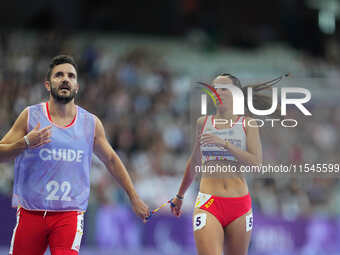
237	235
208	233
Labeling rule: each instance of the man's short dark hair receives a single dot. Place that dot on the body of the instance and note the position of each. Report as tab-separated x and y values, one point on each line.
59	60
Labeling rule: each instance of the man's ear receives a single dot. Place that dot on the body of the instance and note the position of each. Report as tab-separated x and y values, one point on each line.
48	86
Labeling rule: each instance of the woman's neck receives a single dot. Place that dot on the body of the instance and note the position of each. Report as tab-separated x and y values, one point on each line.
228	116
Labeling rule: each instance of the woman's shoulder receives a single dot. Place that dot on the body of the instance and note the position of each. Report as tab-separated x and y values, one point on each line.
250	123
201	120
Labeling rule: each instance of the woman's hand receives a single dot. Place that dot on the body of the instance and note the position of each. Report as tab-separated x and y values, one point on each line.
213	139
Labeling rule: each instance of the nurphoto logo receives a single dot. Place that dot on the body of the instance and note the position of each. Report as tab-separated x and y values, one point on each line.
239	104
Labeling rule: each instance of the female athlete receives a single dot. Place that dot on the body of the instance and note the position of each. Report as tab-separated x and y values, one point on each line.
222	218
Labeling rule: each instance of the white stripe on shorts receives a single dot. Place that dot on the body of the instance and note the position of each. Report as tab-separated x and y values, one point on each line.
79	232
14	231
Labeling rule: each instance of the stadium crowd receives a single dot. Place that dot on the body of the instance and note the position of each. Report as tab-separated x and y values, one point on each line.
145	109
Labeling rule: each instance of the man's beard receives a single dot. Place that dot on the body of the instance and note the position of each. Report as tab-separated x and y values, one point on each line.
63	99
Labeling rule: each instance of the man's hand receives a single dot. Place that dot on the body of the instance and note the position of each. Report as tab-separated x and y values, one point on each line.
38	137
140	208
176	207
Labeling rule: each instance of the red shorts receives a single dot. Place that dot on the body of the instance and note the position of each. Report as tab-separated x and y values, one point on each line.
35	230
225	209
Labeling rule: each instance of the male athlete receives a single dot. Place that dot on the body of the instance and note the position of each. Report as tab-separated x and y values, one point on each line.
52	167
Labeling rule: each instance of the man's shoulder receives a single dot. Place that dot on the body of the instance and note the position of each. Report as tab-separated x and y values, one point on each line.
34	107
83	112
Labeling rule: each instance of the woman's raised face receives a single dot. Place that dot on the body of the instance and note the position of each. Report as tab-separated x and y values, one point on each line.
224	93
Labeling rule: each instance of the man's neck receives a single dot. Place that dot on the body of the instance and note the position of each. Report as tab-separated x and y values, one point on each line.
61	110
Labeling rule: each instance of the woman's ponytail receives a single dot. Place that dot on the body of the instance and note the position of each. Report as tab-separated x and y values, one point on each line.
260	101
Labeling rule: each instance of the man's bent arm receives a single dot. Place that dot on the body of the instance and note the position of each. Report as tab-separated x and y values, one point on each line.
10	151
13	143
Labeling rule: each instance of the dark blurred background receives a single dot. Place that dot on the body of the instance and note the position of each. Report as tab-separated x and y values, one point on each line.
137	64
305	25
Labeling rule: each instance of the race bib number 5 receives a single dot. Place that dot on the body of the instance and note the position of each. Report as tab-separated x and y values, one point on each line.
200	220
249	222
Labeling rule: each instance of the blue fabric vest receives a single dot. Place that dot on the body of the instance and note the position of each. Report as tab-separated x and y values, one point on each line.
55	177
